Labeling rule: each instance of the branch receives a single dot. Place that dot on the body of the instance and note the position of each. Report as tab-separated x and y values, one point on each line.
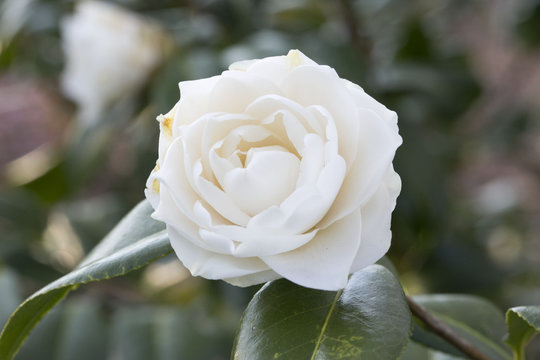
441	329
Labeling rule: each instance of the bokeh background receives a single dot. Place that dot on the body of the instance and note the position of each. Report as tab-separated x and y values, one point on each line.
78	99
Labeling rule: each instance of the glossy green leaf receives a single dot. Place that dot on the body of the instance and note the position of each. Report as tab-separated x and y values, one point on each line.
472	318
523	324
369	319
136	241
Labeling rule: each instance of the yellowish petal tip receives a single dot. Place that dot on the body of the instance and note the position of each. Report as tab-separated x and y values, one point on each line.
155	186
294	57
166	122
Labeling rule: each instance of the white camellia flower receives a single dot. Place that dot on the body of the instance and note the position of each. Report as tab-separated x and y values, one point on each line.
110	52
276	168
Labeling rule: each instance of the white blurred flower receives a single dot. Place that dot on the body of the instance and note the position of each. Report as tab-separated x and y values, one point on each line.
276	168
110	53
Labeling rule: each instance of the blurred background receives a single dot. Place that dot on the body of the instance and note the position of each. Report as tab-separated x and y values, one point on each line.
81	85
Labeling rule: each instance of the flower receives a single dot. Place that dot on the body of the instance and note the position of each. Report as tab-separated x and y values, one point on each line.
110	53
276	168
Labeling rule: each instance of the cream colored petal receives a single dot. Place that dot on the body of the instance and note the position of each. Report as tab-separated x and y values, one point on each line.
212	265
151	192
320	85
266	106
218	199
320	179
200	136
253	279
268	177
376	148
376	217
252	243
235	90
281	220
276	68
325	262
172	175
364	100
170	214
312	162
223	156
166	123
193	101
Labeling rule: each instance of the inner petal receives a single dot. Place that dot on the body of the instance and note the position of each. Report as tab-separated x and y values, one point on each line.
269	176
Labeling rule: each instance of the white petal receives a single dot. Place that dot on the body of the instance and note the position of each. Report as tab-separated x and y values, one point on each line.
252	279
151	191
267	105
169	213
364	100
200	136
224	154
276	68
193	101
376	148
218	199
294	129
234	90
268	178
325	262
320	85
211	265
166	123
316	190
312	161
294	216
376	217
252	243
172	176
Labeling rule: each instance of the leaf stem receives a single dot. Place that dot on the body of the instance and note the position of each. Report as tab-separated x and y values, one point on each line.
444	331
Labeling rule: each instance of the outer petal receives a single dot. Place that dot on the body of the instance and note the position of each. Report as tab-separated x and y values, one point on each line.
166	123
257	278
168	212
236	89
325	262
320	85
254	243
274	68
363	100
211	265
151	192
376	217
377	146
193	101
172	175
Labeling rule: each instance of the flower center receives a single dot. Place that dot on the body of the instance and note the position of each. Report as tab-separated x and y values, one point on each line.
267	178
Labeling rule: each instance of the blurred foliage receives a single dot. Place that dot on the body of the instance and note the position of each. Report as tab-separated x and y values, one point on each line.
464	78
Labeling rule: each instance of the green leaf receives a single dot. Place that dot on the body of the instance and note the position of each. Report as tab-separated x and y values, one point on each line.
136	241
523	323
472	318
369	319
